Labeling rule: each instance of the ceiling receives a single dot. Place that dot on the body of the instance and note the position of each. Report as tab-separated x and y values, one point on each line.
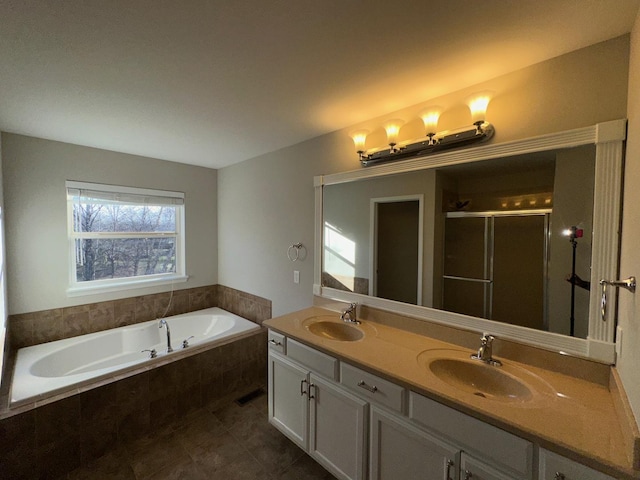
216	82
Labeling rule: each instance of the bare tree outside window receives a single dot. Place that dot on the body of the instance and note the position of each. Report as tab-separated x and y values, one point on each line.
132	246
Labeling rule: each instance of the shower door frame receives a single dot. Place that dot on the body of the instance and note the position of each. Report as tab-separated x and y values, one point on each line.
489	255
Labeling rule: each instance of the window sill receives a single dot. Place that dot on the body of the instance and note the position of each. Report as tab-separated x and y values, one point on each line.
119	286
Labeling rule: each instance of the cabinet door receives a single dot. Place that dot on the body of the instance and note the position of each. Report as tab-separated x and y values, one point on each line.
473	469
556	467
401	451
337	429
288	402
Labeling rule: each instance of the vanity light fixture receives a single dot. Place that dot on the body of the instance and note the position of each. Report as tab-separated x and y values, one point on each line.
433	140
430	117
359	139
392	127
478	104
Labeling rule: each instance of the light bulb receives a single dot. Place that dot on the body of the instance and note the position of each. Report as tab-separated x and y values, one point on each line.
478	105
359	140
430	117
392	128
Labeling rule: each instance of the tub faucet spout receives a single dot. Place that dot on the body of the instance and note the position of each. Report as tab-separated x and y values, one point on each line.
163	322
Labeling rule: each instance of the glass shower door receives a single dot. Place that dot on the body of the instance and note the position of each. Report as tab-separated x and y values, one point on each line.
495	266
467	275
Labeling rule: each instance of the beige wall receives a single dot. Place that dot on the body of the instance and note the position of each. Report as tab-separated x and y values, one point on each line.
572	206
4	312
267	203
628	308
35	171
348	206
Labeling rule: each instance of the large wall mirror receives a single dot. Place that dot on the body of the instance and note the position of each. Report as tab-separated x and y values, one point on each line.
509	238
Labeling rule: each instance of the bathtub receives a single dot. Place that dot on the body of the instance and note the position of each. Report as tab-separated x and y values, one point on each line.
54	367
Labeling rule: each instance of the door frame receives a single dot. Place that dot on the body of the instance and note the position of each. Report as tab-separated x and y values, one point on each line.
373	238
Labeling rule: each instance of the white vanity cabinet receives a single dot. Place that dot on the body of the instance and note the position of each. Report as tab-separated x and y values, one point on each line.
338	429
315	412
399	450
347	418
489	452
288	404
555	467
474	469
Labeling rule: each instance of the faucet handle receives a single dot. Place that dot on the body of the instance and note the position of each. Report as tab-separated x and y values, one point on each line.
487	339
185	342
152	353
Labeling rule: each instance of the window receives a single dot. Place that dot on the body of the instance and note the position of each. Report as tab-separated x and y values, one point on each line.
123	237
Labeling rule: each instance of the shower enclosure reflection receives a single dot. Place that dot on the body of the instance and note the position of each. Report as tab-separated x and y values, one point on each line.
483	239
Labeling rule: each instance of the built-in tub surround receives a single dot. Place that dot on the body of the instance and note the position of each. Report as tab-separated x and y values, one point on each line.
57	437
578	419
32	328
49	437
43	370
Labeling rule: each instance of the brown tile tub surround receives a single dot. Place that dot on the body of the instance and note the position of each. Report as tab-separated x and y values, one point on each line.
56	438
32	328
246	305
114	412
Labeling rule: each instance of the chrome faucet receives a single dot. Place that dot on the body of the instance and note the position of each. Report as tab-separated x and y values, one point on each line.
485	351
163	322
349	314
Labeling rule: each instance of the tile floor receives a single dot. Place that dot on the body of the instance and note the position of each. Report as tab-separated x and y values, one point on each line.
230	443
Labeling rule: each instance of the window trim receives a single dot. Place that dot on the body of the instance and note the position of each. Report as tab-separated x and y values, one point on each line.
93	287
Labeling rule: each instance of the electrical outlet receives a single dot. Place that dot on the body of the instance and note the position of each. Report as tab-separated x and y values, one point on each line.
296	276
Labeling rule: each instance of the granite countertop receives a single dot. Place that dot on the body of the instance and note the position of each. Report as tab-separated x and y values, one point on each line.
574	417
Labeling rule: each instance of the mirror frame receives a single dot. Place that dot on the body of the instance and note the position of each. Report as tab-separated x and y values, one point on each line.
608	137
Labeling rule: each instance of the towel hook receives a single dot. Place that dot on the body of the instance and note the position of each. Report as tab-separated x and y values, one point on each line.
627	284
293	252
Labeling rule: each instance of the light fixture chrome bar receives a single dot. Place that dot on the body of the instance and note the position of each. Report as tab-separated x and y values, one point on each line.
442	141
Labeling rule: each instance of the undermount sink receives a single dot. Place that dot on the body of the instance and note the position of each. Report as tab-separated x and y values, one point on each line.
506	383
332	328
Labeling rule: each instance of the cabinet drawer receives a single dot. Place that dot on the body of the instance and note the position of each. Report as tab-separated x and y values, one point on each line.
316	361
277	342
554	466
503	449
373	387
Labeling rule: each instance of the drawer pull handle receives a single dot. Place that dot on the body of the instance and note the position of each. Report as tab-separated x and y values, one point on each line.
303	391
559	476
363	384
312	386
449	465
275	342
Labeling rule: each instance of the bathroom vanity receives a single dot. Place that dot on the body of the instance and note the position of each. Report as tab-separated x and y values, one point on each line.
371	401
397	398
